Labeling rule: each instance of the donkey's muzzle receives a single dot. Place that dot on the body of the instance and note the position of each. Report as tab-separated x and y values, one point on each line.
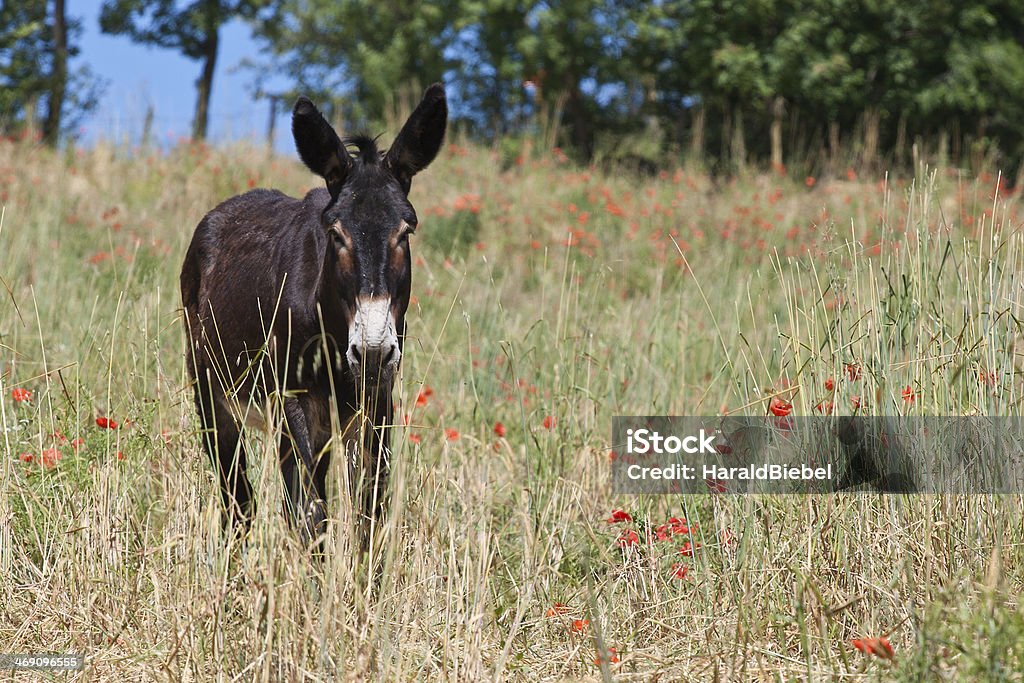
373	363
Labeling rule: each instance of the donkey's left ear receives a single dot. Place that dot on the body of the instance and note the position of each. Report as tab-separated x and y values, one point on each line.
421	137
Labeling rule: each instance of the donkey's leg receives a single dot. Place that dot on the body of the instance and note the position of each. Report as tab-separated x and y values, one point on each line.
376	467
222	443
299	463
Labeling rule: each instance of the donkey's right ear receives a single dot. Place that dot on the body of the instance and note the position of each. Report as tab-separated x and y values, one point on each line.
319	146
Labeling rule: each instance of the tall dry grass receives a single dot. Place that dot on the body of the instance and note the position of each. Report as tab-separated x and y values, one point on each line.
547	299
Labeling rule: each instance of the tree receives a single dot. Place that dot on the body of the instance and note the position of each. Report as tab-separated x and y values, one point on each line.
193	30
370	51
58	76
36	47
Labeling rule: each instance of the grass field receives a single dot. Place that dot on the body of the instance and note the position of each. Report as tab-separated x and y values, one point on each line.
547	298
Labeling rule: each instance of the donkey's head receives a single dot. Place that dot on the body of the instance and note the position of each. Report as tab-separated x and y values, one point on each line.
369	220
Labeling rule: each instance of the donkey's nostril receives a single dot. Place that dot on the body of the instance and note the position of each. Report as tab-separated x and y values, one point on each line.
389	355
356	353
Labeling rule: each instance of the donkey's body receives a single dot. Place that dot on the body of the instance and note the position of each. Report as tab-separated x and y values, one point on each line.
301	303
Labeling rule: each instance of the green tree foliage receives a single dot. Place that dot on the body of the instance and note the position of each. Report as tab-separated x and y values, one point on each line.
192	29
815	82
37	90
371	52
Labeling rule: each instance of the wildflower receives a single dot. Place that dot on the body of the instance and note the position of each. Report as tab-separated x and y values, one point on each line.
26	457
829	384
451	434
688	549
810	181
852	371
499	430
825	407
423	396
580	625
879	647
549	422
680	570
49	458
855	402
619	516
715	485
106	423
415	438
120	455
556	609
680	526
628	538
613	657
19	395
780	407
908	394
77	443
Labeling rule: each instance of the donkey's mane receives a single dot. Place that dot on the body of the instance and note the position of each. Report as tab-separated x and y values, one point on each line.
366	148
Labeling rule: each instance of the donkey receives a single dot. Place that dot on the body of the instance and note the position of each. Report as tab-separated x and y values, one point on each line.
300	304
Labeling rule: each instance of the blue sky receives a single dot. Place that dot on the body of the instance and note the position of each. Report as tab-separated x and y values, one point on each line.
136	76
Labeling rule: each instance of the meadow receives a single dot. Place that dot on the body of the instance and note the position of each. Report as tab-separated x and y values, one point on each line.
547	298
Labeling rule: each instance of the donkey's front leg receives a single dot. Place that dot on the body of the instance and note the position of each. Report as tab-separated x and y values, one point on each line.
306	502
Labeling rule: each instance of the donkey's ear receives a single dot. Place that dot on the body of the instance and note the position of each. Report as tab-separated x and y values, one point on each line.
319	146
421	137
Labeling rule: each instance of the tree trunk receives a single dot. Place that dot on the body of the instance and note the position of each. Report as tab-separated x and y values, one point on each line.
872	122
738	146
778	111
901	138
833	145
58	77
697	133
204	86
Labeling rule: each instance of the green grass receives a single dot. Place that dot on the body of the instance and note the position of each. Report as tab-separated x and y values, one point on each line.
540	290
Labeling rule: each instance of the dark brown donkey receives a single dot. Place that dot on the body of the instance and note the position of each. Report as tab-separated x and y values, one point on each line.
299	305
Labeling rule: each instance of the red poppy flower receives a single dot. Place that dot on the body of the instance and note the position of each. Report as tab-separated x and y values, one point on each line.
852	371
106	423
20	395
556	609
680	526
613	657
49	457
619	516
628	538
688	549
829	384
715	485
809	181
451	434
680	570
580	625
499	429
779	407
26	457
908	394
549	422
415	438
879	647
77	443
